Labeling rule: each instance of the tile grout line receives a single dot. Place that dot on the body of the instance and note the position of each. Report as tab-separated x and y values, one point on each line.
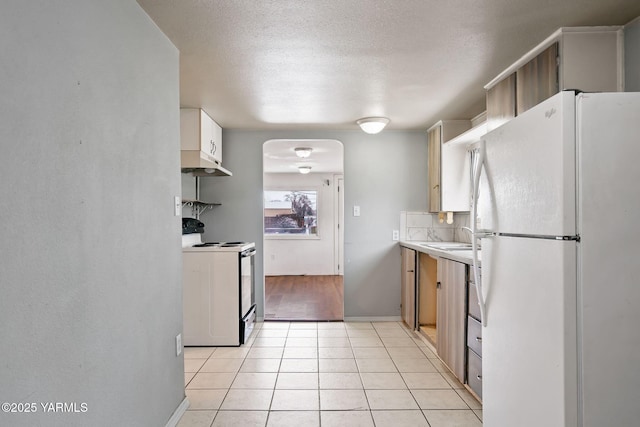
459	392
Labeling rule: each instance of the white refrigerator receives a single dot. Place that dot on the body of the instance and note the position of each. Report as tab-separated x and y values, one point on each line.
558	201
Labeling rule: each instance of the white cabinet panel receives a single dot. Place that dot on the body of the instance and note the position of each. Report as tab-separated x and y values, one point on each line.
448	168
200	138
211	303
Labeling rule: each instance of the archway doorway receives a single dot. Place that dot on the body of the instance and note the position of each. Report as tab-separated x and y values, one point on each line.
303	235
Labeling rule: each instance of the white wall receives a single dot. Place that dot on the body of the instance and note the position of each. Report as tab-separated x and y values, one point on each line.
292	255
383	174
90	270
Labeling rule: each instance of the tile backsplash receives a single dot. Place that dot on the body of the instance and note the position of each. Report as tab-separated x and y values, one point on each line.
425	226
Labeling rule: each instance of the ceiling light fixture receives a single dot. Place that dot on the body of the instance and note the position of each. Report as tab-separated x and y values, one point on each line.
304	169
372	124
303	152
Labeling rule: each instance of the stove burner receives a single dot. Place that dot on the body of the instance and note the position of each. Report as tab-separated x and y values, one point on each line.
219	244
206	245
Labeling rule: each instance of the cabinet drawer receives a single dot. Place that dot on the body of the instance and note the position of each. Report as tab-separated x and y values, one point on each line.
474	307
474	372
474	335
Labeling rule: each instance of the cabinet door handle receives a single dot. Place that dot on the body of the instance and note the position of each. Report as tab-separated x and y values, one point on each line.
479	377
410	271
438	284
479	339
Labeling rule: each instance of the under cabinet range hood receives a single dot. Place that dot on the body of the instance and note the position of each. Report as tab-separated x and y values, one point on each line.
200	144
213	170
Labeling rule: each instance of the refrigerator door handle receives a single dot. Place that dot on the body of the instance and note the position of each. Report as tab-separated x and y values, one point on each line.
475	233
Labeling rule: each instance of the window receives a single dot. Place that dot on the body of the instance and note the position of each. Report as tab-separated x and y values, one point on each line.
291	213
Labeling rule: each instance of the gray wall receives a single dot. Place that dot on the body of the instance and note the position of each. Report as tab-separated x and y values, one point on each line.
384	174
632	56
90	269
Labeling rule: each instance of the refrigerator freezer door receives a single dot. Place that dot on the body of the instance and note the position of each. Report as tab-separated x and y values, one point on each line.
529	367
609	195
527	185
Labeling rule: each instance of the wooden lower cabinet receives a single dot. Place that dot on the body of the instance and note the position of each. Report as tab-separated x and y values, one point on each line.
446	303
452	315
408	287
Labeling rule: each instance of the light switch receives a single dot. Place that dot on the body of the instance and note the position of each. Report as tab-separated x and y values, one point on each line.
395	235
178	344
177	203
356	211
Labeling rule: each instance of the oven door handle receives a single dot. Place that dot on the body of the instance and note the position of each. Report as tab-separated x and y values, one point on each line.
248	252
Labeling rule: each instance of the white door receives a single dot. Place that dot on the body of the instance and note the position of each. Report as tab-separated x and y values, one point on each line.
528	183
529	368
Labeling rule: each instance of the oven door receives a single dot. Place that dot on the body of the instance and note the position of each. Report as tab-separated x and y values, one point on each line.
247	292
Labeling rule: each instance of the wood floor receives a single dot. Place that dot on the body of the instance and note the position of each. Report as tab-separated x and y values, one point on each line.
304	298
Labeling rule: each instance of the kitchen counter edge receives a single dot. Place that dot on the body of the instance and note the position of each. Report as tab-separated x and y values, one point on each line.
438	253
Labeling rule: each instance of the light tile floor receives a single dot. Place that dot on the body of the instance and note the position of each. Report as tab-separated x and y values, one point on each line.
310	374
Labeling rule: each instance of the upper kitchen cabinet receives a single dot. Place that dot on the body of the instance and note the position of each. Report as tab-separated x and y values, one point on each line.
501	102
589	59
538	79
448	167
200	143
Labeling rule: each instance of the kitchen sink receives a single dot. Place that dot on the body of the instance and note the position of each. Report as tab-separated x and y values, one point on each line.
447	246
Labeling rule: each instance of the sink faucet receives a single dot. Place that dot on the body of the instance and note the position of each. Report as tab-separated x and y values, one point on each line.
470	233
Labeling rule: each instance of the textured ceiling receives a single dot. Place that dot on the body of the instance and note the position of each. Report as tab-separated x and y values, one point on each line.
322	64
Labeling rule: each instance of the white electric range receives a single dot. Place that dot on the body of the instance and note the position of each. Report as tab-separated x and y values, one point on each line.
218	291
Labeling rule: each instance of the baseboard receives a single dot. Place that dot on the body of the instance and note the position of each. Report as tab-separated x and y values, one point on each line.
178	413
361	319
373	319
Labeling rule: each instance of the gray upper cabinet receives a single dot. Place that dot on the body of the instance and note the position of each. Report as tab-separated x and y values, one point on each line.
448	168
589	59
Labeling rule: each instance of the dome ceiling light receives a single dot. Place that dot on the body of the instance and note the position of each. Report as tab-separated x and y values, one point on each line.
303	152
372	125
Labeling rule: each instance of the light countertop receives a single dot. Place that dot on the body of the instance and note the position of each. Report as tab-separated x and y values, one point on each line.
464	256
